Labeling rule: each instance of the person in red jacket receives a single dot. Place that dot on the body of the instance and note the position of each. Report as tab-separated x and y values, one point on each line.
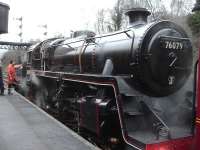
11	76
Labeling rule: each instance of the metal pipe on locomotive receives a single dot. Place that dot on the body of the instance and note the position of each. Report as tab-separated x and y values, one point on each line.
131	89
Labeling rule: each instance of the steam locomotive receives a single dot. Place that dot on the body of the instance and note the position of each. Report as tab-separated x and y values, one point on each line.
131	89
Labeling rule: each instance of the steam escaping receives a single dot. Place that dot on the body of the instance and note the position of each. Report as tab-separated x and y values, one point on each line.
176	110
34	79
25	83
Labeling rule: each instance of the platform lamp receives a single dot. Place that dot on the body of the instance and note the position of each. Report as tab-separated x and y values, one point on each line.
197	119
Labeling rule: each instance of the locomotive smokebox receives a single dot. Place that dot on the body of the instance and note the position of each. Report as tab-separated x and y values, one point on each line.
4	11
137	16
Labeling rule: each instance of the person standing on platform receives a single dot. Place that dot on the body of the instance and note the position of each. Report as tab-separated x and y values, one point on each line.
11	72
1	82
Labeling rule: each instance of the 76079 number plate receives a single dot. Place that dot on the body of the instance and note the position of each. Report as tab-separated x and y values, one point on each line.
172	43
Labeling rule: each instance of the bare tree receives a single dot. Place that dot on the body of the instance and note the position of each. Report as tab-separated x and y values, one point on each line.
116	15
181	7
158	9
100	25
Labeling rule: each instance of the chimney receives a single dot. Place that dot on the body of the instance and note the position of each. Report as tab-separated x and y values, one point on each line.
137	16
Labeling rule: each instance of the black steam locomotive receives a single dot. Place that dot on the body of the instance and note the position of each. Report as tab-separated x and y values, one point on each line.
131	89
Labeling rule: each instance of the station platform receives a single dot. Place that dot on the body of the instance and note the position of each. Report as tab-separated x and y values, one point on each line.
24	126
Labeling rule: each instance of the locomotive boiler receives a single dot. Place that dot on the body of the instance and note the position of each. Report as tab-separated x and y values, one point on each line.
131	89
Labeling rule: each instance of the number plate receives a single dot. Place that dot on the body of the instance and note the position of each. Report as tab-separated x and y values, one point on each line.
172	43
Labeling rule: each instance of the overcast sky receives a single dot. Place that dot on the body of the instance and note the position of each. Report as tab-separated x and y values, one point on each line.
61	16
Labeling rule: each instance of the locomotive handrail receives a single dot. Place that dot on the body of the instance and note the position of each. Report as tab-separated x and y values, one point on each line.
195	93
82	51
96	37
